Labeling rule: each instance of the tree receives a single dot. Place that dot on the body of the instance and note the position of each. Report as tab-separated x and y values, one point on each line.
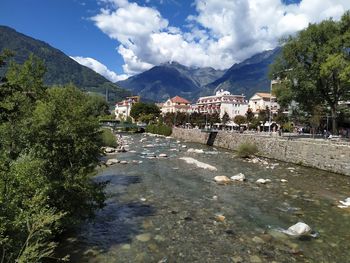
240	119
225	118
141	108
314	67
250	116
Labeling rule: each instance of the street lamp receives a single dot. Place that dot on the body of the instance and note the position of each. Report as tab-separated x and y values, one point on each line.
270	112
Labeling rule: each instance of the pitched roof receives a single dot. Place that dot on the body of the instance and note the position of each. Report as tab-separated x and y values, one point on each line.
178	99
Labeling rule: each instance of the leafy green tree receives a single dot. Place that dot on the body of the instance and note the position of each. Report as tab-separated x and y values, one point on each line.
240	119
99	106
314	67
141	108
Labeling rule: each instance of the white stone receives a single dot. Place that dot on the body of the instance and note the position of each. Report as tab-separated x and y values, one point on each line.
284	181
345	203
162	155
123	162
263	181
184	146
297	230
199	164
238	177
143	199
112	161
109	150
191	150
221	179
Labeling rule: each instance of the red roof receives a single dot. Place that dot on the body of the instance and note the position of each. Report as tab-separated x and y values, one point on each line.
178	99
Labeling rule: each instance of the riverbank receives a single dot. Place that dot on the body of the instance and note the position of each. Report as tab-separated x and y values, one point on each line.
321	154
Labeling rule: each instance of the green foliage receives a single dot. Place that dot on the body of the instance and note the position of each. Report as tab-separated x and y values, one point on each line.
288	127
246	150
239	119
159	128
108	138
142	109
314	67
49	145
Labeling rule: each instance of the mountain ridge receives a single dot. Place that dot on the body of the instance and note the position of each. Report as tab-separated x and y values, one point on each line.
61	69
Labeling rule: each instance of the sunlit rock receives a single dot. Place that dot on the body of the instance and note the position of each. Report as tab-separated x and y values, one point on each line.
199	164
221	179
109	150
162	155
263	181
299	229
191	150
284	181
123	162
112	161
345	203
238	177
143	237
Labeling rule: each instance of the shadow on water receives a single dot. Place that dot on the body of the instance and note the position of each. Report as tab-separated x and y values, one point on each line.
115	224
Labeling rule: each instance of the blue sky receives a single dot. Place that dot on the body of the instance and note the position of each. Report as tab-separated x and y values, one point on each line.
119	38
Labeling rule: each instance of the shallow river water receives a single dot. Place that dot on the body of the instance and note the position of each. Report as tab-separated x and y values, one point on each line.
165	210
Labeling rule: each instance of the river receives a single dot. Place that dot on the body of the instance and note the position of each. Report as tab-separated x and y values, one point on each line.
166	210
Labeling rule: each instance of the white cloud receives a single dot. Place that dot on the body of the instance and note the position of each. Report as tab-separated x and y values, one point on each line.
100	68
219	34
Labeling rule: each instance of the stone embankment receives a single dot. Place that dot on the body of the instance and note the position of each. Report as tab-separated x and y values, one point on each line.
321	154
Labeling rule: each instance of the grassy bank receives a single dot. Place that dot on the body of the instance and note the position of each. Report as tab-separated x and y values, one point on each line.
159	128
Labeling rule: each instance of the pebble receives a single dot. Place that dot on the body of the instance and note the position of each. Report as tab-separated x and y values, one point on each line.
126	247
162	155
220	218
143	237
123	162
258	240
284	181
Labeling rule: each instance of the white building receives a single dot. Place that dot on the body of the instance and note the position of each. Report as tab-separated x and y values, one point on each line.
123	108
261	101
176	104
221	102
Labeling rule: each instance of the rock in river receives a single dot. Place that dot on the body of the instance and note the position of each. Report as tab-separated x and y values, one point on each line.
263	181
238	177
112	161
144	237
345	203
297	230
199	164
162	155
221	179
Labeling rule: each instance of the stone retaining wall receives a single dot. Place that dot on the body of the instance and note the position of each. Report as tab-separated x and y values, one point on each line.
324	155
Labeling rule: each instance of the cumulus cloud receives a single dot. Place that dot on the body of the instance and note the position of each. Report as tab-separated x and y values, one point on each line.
100	68
219	34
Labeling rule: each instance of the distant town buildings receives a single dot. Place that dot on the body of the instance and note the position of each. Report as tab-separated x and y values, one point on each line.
122	108
221	102
176	104
261	101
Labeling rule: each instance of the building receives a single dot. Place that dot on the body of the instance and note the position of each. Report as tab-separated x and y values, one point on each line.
123	108
176	104
221	102
261	101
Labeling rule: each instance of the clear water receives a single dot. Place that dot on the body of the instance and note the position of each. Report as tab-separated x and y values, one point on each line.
164	210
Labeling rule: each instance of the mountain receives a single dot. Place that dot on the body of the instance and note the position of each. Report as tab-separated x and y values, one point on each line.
170	79
247	77
61	69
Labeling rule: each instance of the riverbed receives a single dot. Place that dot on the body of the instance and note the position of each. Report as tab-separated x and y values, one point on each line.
168	210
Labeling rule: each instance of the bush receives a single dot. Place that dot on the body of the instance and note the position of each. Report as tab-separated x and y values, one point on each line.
108	138
159	128
245	150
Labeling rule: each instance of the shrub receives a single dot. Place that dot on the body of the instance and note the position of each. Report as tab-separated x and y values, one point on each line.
108	138
245	150
159	128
